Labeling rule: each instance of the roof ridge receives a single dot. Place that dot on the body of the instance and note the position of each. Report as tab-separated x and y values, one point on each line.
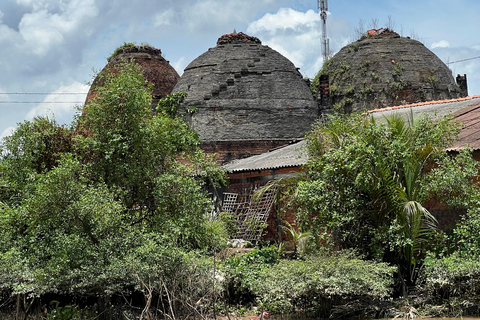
425	103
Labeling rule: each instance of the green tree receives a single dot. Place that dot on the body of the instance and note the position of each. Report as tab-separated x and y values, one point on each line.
368	183
34	148
150	159
116	205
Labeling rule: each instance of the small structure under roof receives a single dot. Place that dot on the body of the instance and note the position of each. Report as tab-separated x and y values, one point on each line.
248	175
293	155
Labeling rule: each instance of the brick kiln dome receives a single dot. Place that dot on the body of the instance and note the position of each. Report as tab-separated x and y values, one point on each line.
156	69
245	91
384	69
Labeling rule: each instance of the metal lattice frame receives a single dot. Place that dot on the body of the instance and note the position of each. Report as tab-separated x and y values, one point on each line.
252	217
230	203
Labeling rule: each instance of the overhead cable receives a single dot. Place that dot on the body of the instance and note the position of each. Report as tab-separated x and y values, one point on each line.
464	60
43	93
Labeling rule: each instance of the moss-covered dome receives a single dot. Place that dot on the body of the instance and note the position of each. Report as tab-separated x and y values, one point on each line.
242	90
156	69
384	69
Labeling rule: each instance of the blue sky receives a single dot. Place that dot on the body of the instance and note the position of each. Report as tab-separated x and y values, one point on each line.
54	46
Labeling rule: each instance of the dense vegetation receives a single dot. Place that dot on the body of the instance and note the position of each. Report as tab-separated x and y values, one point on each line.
108	219
111	206
369	182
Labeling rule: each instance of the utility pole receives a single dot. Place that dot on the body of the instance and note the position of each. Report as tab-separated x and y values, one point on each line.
323	8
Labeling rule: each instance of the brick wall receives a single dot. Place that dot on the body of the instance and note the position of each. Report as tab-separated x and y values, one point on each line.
227	151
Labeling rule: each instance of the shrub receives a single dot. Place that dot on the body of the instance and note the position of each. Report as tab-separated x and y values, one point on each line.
241	271
452	286
320	283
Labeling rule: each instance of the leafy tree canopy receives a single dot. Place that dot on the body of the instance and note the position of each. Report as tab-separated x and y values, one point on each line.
98	208
370	181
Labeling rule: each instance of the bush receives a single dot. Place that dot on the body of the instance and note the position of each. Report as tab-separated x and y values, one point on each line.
316	285
241	271
452	286
320	283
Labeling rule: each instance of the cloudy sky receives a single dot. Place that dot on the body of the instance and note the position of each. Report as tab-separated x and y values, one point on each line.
52	47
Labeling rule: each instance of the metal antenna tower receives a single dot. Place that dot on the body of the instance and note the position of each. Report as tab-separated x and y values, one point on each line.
323	8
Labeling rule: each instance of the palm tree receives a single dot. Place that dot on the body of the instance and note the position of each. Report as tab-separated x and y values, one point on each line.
400	189
285	191
299	238
391	193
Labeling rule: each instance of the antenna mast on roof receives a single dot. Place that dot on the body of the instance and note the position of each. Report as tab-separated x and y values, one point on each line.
323	8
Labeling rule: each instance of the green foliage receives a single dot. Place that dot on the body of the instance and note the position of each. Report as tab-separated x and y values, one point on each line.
397	86
344	67
126	45
299	238
451	285
134	151
230	224
364	67
62	313
319	283
397	70
118	206
316	80
355	46
168	106
34	148
464	239
333	90
369	181
341	106
241	271
433	80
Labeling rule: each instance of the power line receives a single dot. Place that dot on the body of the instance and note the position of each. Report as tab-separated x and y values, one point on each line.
37	102
43	93
464	60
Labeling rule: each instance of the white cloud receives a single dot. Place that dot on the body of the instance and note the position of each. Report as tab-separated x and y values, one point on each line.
293	55
441	44
180	65
297	36
226	15
285	18
41	4
7	132
476	47
6	34
43	30
38	33
53	104
163	18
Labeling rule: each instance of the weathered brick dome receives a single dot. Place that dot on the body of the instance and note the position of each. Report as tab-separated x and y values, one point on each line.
384	69
247	97
156	69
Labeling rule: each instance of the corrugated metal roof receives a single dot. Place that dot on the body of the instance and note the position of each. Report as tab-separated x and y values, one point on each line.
293	155
465	110
435	109
470	132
